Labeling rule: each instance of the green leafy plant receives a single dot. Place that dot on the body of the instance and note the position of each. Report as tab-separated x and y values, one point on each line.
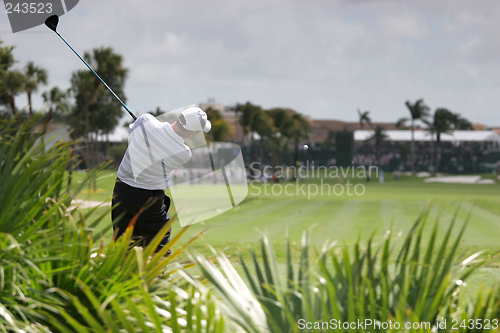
58	275
55	278
418	283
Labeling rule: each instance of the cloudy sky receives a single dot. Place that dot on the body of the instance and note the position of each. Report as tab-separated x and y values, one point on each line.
324	58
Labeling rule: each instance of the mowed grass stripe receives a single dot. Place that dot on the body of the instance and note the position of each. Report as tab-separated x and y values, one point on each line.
401	214
355	216
336	220
392	211
242	223
479	231
299	216
483	227
342	217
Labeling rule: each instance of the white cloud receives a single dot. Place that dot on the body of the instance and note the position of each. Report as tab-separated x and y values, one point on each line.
323	58
406	25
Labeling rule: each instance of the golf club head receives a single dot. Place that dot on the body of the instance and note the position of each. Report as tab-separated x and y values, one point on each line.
51	22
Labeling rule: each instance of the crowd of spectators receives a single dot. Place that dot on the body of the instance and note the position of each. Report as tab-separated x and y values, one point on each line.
394	156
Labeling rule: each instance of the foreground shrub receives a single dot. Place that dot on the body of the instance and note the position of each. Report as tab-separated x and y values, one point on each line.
421	285
55	278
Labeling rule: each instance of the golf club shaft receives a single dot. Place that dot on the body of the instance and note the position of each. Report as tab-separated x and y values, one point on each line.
111	91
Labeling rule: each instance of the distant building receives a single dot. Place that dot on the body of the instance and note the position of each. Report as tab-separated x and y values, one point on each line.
211	104
320	129
479	127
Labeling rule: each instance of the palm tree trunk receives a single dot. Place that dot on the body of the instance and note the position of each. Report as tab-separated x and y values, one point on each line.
13	109
45	125
29	103
73	147
48	118
87	151
412	160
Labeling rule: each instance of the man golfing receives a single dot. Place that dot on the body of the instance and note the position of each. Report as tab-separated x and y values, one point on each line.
155	150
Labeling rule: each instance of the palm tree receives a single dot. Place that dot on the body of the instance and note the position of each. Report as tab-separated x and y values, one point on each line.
442	122
418	110
460	123
57	101
379	135
6	61
364	117
33	77
6	56
10	80
283	125
57	104
95	109
91	96
401	123
12	85
247	115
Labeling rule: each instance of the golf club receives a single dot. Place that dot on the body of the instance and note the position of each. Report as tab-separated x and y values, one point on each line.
51	22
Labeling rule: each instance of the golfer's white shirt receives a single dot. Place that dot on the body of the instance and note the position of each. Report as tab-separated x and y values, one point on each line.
153	153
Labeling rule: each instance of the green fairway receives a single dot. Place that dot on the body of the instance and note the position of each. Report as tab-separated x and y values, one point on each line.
343	217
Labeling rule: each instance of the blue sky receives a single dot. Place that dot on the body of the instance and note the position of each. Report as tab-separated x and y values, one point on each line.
325	58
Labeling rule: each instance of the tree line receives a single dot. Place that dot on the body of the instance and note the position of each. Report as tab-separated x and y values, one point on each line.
91	111
281	128
86	105
441	122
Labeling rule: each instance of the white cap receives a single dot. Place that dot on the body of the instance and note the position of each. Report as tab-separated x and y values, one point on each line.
195	119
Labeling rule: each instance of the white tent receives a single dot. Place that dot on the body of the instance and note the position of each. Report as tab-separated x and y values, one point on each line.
420	135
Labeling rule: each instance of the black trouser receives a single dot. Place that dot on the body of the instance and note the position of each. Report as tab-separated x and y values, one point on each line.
130	200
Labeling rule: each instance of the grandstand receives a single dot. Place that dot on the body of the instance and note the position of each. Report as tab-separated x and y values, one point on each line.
460	151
